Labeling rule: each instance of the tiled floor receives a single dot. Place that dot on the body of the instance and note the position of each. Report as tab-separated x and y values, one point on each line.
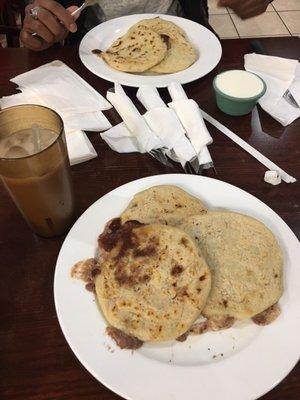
282	18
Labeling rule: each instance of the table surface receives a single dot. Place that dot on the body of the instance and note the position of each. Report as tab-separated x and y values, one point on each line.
36	362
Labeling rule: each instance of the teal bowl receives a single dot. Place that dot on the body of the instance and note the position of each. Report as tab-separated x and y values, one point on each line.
237	106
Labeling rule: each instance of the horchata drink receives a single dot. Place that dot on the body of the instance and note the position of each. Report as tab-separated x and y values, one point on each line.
35	169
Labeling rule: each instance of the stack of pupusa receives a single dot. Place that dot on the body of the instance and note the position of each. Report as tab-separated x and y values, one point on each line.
167	260
235	259
154	46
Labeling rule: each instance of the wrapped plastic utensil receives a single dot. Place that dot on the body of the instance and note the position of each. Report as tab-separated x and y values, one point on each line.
191	118
165	123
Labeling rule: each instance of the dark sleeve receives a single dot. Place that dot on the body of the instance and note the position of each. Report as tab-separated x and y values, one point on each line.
195	10
65	3
68	3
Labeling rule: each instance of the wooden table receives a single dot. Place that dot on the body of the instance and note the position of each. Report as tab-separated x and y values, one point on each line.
35	360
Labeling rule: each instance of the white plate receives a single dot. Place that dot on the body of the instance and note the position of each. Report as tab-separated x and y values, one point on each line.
102	36
254	360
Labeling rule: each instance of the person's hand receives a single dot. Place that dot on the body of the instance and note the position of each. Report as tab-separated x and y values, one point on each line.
52	24
246	8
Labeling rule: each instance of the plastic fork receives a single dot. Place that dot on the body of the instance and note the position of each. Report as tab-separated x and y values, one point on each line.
86	4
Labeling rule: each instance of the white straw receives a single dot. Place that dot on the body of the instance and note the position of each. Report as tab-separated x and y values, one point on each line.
251	150
36	137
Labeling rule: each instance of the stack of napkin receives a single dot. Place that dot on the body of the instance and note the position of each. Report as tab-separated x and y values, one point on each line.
177	131
280	75
58	87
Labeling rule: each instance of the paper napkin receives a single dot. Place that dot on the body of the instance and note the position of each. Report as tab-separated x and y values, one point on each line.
280	75
145	139
79	147
58	87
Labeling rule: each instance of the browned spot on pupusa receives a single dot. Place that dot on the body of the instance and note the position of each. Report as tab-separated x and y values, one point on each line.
177	270
145	252
137	276
182	292
97	51
91	287
183	337
149	250
126	243
267	316
184	242
123	340
107	239
115	232
166	40
87	270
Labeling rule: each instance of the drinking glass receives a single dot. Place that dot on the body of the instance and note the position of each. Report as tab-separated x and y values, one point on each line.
35	168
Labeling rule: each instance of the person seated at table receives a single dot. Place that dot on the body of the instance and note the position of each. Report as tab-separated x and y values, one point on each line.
52	21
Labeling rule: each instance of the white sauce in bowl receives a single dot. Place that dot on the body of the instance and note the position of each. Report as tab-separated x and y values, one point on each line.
239	83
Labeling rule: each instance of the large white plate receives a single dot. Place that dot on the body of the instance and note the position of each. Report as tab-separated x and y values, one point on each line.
102	36
241	363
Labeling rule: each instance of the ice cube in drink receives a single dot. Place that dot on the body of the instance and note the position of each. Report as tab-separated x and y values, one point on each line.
26	142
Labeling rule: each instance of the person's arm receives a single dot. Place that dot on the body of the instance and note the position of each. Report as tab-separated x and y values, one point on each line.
246	8
52	24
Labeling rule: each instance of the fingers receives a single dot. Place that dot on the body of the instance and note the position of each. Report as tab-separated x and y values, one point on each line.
32	42
59	12
245	9
31	25
51	23
42	31
255	9
251	11
226	3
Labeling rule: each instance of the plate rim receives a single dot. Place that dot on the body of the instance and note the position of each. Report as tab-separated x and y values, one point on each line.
145	179
123	80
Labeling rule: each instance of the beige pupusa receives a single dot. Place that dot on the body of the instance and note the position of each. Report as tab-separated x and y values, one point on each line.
138	50
181	53
179	57
153	283
165	204
245	260
163	27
